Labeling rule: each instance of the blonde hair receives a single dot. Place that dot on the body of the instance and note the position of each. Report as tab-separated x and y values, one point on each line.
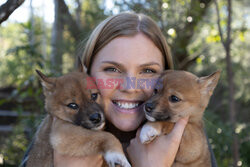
125	24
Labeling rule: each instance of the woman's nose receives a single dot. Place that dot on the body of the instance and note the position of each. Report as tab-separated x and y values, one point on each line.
130	83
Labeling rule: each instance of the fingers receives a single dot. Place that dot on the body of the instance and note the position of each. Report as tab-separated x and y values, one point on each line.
173	139
138	134
179	128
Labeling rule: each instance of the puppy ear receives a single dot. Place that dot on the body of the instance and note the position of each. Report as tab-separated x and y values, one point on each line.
208	83
80	66
47	82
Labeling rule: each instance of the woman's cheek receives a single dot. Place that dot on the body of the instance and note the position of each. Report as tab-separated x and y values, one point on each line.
110	83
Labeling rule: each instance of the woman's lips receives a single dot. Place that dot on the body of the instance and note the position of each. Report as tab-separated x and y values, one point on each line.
125	106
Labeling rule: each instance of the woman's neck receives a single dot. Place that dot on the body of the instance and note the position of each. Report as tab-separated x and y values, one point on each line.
124	137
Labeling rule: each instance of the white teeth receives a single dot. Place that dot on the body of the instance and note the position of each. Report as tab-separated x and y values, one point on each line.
126	105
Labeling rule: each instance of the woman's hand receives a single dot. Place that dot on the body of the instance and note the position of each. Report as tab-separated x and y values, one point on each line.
161	152
67	161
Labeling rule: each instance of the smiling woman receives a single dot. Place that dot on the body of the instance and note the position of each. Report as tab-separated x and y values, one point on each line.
123	107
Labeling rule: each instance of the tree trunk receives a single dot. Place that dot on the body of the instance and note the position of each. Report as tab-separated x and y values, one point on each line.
230	77
57	39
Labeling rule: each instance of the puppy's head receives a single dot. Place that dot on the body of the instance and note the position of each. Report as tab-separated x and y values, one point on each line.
68	98
181	94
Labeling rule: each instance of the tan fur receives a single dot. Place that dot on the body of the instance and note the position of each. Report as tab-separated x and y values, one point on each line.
59	131
194	94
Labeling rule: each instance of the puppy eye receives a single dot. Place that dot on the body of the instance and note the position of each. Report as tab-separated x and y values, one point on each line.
174	99
94	96
73	106
155	91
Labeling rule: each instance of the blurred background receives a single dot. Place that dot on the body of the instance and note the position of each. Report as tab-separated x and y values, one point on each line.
204	36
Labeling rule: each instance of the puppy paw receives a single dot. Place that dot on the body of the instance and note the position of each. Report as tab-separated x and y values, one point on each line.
148	134
115	158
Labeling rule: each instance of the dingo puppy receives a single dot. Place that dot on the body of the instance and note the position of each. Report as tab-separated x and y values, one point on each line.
182	94
73	123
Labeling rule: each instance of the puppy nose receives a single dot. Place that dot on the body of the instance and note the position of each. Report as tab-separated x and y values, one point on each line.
149	107
95	118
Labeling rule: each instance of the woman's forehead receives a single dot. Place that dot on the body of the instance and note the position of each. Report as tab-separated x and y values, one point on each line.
130	49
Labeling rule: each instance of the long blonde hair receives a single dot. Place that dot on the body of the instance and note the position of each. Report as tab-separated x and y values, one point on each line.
125	24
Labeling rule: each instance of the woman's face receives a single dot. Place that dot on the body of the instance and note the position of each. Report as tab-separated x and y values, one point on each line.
123	70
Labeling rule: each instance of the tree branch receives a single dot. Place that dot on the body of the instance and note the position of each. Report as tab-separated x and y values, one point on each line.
229	8
8	8
191	58
218	22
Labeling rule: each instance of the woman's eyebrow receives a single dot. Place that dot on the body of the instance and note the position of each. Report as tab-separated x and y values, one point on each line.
114	63
121	66
149	64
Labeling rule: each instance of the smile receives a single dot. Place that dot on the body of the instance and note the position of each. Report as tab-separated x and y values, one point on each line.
126	104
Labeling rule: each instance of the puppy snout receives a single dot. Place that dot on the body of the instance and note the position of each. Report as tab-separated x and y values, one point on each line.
149	107
95	118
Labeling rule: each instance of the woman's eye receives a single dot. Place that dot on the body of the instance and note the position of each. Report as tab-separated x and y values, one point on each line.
149	71
73	106
111	69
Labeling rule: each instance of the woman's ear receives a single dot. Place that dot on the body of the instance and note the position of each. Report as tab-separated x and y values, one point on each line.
80	66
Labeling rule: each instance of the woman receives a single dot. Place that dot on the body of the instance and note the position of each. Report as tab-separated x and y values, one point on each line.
128	46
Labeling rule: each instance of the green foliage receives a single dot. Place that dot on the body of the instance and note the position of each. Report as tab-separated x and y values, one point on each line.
22	52
14	147
18	64
212	57
20	59
220	138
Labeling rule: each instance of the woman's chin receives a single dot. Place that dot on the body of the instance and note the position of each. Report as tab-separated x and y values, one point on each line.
125	119
128	125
